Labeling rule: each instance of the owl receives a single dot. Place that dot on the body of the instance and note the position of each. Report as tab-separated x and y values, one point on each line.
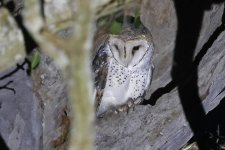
123	68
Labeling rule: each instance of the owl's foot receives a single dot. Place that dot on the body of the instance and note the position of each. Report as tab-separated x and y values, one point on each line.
116	110
130	105
125	108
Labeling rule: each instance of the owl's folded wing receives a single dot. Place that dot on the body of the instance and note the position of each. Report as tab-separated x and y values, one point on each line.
149	79
100	69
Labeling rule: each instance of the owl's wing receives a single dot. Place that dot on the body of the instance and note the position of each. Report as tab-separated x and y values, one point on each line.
149	79
100	68
151	69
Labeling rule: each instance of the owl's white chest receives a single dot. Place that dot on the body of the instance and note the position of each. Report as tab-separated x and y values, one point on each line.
122	83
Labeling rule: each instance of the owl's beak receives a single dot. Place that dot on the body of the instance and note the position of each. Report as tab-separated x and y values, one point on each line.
126	61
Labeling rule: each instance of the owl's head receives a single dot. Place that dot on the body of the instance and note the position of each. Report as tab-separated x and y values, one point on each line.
129	50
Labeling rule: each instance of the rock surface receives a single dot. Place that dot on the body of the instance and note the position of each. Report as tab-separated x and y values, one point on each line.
20	121
37	116
163	126
50	91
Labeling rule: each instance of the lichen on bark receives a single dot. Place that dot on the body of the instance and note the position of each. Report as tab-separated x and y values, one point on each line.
11	41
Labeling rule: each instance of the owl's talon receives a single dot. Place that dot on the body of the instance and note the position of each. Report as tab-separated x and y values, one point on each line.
131	105
116	112
121	109
126	107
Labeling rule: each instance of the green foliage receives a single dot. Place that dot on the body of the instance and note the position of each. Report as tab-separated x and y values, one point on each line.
115	27
35	60
114	24
137	22
137	18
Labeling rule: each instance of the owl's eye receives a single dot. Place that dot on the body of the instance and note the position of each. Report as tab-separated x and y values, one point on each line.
135	48
116	47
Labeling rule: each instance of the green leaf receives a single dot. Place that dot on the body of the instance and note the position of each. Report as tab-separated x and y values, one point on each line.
137	22
35	60
115	27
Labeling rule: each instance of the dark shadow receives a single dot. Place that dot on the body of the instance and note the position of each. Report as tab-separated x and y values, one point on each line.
189	15
184	69
11	73
171	85
216	125
42	7
159	92
3	145
18	67
30	43
6	87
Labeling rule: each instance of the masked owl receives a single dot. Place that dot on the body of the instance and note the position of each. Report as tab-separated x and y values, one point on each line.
123	68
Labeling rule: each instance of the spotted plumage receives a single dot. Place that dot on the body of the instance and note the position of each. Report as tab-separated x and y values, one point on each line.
123	68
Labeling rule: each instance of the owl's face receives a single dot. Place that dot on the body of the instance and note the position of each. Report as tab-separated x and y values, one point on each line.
128	51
